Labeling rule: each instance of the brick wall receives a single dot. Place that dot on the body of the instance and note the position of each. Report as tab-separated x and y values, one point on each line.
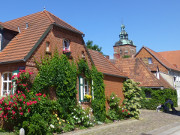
113	84
55	38
144	55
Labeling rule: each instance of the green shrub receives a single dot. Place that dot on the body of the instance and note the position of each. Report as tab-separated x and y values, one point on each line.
158	96
36	125
132	98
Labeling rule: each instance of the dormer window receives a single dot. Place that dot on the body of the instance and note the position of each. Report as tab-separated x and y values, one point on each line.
150	60
66	45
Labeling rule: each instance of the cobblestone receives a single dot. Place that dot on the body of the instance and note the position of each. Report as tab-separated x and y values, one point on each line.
149	120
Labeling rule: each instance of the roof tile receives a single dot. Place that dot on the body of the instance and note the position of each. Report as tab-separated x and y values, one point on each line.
19	47
104	65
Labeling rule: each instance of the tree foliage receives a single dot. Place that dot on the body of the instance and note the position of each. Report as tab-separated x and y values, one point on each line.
95	47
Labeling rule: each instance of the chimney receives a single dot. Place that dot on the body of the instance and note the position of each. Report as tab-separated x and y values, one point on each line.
106	56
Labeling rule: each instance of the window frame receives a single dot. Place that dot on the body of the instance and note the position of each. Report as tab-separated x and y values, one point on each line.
8	81
150	61
64	47
83	86
48	49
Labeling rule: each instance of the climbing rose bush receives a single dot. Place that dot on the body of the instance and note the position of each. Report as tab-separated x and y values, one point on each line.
15	108
115	110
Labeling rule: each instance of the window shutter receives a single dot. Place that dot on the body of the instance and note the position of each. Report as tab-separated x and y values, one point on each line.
13	81
92	90
81	91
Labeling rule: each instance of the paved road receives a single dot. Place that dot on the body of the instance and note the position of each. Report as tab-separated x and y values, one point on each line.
150	123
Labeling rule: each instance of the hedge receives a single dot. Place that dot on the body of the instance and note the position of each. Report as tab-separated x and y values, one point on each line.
158	96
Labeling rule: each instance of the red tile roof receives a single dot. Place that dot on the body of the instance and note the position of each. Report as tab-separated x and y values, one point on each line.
20	47
104	65
136	70
9	27
173	57
163	60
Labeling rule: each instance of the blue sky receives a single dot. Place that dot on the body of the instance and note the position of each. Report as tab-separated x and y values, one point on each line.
152	23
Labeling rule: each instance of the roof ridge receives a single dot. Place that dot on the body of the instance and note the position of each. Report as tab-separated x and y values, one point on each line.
62	21
50	18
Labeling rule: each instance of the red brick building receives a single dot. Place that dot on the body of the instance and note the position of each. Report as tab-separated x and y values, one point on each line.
31	37
113	77
164	65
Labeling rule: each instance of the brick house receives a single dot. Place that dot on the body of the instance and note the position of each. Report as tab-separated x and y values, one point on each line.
137	70
113	77
163	64
30	37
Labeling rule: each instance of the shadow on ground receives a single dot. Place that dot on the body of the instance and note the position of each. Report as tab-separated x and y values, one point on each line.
176	112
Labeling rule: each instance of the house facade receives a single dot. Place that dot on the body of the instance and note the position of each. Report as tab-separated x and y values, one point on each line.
162	64
31	37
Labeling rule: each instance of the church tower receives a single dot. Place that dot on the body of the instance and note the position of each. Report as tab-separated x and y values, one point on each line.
124	48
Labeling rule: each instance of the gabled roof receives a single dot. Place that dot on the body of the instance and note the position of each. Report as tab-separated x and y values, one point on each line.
22	46
173	57
104	65
167	64
136	70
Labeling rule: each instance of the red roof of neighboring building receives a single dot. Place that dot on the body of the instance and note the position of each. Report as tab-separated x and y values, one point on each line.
104	65
21	47
163	60
136	70
173	57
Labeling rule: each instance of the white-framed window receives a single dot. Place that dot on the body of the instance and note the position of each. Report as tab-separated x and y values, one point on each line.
47	47
150	60
66	45
83	88
6	83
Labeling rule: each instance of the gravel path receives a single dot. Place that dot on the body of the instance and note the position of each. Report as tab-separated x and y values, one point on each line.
149	120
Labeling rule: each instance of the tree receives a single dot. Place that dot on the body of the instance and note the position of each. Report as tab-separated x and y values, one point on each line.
95	47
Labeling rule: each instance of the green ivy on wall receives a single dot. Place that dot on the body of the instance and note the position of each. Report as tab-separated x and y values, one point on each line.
59	75
95	79
98	102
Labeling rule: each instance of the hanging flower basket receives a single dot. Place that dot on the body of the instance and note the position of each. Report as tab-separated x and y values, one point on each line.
67	53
